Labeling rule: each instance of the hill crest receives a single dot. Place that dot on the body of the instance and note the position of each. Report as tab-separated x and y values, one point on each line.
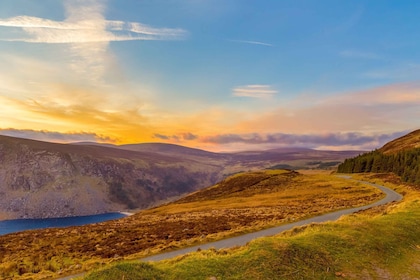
406	142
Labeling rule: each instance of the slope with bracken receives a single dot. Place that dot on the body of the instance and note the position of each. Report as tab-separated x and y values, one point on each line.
379	243
407	142
241	203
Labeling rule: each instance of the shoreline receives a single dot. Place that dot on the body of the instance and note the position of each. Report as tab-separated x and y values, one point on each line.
19	225
126	213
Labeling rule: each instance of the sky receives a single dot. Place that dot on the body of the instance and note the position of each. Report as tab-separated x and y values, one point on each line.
219	75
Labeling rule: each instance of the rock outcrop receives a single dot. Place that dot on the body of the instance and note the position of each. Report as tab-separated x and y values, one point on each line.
40	180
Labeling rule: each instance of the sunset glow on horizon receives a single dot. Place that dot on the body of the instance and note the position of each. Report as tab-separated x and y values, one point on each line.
220	75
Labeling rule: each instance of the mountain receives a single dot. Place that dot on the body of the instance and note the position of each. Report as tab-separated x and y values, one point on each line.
400	156
238	204
406	142
41	179
171	149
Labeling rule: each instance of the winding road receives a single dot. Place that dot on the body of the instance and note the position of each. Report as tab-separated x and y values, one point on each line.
244	239
390	196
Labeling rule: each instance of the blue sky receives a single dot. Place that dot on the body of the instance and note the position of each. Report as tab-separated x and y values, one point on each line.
217	75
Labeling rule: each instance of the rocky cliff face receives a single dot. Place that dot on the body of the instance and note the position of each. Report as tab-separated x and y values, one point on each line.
39	180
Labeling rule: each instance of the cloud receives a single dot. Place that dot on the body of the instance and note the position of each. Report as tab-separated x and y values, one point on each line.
177	138
256	140
87	31
162	136
331	140
71	109
381	109
252	43
87	34
407	94
85	23
54	136
255	91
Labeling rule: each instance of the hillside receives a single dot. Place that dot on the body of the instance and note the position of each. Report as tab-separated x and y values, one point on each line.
380	243
400	156
40	179
241	203
407	142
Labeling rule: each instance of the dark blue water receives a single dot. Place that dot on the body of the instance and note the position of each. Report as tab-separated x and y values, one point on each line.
10	226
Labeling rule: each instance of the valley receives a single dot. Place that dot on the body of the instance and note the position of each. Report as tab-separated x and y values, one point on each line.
379	243
49	180
382	241
239	204
209	140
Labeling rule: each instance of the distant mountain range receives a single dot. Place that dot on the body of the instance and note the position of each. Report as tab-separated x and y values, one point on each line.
41	179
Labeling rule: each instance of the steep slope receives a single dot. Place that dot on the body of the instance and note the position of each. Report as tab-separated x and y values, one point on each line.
39	179
380	243
240	203
406	142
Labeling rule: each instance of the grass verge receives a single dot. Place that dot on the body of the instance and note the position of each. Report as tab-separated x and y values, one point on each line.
381	243
241	203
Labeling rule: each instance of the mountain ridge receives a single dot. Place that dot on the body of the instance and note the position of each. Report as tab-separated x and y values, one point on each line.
41	180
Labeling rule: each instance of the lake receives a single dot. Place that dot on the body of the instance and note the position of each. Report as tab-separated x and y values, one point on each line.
9	226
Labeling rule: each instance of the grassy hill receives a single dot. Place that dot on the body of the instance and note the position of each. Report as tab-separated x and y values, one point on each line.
241	203
381	243
407	142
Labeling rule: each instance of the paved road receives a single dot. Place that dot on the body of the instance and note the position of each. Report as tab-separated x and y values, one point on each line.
244	239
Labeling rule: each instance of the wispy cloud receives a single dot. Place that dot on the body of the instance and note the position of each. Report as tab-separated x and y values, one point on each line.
188	136
252	43
255	91
87	33
84	111
334	140
54	136
86	24
304	140
396	94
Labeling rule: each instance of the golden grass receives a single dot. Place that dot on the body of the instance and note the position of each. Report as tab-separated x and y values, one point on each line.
241	203
379	243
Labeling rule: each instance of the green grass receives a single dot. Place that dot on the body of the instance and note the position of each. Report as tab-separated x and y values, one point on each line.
375	244
129	271
240	204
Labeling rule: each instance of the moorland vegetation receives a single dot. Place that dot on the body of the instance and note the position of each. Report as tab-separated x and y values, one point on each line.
241	203
379	243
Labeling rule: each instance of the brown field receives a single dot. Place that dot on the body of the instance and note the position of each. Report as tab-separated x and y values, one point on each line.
241	203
